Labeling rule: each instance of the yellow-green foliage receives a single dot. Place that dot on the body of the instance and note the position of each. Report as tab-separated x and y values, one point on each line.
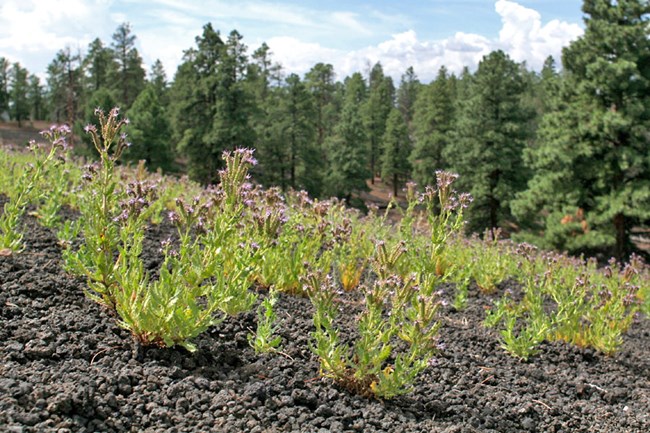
235	236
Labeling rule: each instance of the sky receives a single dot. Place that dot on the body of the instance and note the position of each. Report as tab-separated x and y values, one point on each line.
351	35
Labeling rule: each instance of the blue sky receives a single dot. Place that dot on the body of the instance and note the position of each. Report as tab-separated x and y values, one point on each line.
351	35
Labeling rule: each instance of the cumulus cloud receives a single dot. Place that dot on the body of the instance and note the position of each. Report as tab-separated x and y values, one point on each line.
298	56
31	31
523	36
30	27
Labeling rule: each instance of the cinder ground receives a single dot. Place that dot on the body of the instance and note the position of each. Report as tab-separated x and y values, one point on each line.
65	366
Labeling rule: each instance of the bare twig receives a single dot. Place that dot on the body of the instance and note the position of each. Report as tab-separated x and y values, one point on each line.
100	352
542	403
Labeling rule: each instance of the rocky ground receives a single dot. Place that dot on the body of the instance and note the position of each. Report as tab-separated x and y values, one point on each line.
65	366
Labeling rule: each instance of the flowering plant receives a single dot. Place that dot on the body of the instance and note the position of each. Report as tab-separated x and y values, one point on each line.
24	190
395	309
100	213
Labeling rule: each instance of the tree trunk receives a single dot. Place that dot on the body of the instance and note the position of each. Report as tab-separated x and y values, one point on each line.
494	202
621	248
395	180
494	209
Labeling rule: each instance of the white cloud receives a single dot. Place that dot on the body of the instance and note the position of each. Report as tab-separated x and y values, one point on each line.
523	36
300	57
32	31
32	25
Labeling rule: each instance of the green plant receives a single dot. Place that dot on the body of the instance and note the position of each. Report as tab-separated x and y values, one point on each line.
352	249
56	186
491	264
99	222
194	291
206	279
459	253
444	214
394	309
568	300
522	342
265	339
24	189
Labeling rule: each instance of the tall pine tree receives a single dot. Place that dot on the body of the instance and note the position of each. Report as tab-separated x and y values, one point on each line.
149	131
230	125
18	94
396	144
320	81
194	95
299	132
128	77
491	132
262	80
36	98
592	171
432	123
348	169
65	87
98	64
407	94
377	108
4	86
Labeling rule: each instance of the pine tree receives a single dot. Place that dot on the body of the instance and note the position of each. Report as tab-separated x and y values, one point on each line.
395	166
348	169
377	108
211	106
592	173
4	86
98	64
18	91
36	98
64	81
149	131
299	131
158	79
407	94
193	98
320	83
263	83
230	125
263	73
490	135
128	78
433	122
549	87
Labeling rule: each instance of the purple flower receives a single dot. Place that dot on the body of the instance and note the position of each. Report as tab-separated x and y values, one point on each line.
465	199
64	129
444	178
173	217
630	299
124	216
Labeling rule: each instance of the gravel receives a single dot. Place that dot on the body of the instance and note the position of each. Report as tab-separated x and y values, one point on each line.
65	366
